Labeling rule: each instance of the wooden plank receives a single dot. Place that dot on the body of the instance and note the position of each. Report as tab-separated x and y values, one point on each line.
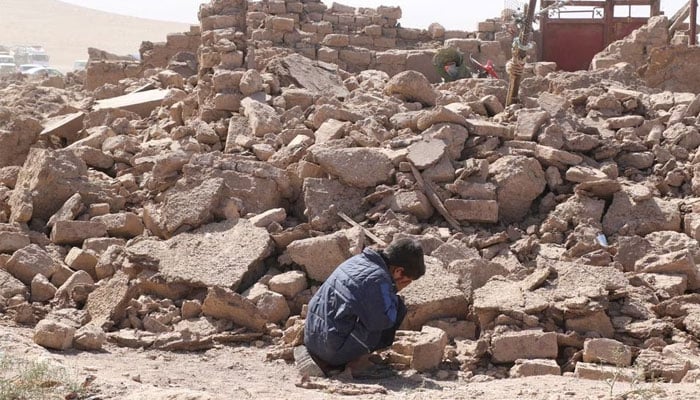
434	198
367	232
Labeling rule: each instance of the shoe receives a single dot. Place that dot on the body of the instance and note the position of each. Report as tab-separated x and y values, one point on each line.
305	363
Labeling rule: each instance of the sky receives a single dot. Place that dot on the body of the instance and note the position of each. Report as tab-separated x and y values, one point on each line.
452	14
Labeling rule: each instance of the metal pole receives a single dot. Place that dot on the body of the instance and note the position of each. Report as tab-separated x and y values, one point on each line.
693	22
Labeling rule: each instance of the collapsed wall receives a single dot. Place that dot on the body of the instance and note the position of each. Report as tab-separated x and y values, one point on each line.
561	233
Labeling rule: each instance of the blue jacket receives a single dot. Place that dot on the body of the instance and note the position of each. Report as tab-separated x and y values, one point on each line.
347	316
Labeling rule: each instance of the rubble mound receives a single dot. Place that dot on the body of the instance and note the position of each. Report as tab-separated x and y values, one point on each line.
183	211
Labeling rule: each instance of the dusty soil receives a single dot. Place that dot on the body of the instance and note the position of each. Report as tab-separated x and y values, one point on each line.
242	372
66	31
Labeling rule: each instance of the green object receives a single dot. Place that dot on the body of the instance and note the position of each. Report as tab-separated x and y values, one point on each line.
449	55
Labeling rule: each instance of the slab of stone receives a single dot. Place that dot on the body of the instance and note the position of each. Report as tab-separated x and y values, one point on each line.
527	344
319	256
75	232
226	304
537	367
605	372
500	296
107	304
226	254
264	219
45	183
435	295
360	167
520	180
487	128
187	205
583	173
324	198
317	77
66	126
141	103
529	123
485	211
473	190
81	260
73	207
426	153
474	272
552	156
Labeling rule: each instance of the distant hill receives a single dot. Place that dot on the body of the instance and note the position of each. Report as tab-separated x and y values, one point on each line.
66	30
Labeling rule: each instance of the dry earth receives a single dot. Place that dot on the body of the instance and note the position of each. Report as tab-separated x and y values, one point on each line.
66	31
242	372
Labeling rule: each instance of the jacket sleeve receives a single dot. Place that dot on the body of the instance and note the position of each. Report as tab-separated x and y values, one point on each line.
380	305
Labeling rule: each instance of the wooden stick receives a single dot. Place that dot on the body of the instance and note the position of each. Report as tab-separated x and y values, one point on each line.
367	232
426	186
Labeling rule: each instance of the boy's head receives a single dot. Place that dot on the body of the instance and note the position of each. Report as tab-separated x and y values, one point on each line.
405	260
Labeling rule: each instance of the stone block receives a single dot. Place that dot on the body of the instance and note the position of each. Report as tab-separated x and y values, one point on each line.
54	335
528	344
537	367
607	351
75	232
485	211
320	255
30	261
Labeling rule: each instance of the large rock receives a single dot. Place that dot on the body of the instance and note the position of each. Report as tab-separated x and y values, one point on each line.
324	198
16	142
412	86
29	261
227	254
317	77
54	335
607	351
107	304
359	166
435	295
520	180
11	286
126	224
630	215
48	179
262	118
319	256
425	348
187	206
226	304
12	240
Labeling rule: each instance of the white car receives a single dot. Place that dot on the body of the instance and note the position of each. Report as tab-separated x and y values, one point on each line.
7	69
26	67
43	71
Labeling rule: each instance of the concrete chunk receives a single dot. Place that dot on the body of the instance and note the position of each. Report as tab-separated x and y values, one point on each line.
227	304
29	261
525	368
607	351
319	256
473	210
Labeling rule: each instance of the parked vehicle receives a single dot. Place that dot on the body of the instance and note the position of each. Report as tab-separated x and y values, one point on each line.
7	69
42	72
31	55
26	67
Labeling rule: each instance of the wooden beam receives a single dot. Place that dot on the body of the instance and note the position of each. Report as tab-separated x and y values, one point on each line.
367	232
693	22
434	198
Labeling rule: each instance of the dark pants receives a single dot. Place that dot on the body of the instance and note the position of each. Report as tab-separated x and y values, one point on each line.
388	335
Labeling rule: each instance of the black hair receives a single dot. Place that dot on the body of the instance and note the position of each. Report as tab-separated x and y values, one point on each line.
408	254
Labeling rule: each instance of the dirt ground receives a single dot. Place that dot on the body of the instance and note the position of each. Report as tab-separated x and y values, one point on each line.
241	372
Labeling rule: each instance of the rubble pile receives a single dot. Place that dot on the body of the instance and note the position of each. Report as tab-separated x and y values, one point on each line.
189	210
